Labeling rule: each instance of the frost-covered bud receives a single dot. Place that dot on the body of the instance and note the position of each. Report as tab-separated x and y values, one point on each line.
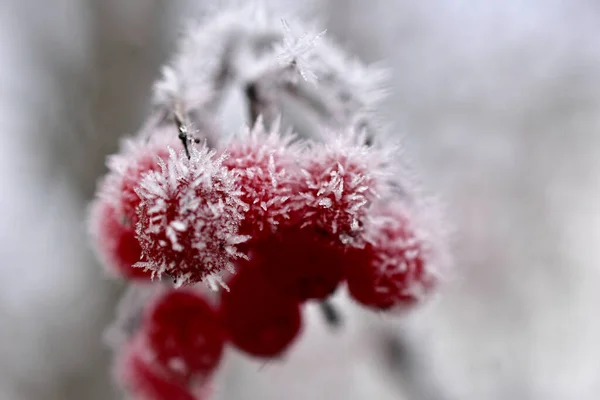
136	157
260	318
143	380
189	218
397	267
184	335
115	242
264	165
340	180
302	262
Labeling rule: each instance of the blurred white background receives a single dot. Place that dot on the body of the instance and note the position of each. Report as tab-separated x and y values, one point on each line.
498	102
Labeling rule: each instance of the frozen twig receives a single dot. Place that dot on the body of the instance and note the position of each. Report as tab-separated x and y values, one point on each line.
270	58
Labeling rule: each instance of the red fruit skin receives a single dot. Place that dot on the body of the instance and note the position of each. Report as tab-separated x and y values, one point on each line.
144	381
303	263
136	157
261	320
392	269
380	292
131	178
115	242
184	334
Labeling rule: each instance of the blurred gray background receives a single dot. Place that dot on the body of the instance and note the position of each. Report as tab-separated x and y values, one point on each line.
498	103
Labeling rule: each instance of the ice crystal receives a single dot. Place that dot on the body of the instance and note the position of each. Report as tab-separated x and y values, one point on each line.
349	78
295	49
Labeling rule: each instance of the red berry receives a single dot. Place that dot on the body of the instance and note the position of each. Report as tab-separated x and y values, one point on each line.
340	180
113	214
263	164
189	218
184	334
396	267
303	263
146	382
260	319
115	241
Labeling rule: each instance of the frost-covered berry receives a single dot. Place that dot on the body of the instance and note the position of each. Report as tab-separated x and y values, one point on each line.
115	241
184	334
189	217
264	164
397	266
143	380
302	262
261	319
136	157
340	180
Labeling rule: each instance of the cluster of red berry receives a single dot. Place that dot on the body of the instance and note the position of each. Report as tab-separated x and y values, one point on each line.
290	220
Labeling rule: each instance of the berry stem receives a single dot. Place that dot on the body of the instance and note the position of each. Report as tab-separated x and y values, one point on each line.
331	314
183	133
260	96
255	105
404	361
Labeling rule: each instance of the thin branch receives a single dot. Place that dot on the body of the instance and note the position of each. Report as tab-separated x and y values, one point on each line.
254	102
183	133
331	314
